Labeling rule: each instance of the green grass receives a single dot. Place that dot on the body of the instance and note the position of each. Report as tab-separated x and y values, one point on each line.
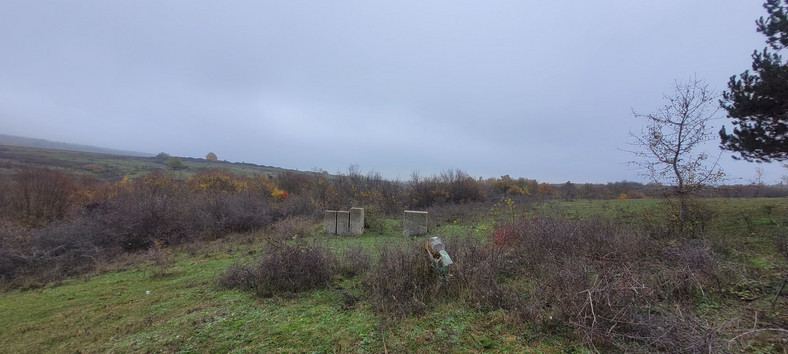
186	311
183	312
607	208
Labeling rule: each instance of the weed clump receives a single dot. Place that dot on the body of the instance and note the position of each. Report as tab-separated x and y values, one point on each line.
403	282
353	261
292	227
615	288
283	268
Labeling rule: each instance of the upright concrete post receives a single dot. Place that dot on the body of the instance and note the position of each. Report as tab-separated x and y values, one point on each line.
330	222
414	223
356	221
343	223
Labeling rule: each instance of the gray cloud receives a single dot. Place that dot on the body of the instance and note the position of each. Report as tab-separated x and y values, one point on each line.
535	89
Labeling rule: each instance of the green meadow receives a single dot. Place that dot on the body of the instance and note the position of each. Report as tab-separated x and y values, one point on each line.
169	301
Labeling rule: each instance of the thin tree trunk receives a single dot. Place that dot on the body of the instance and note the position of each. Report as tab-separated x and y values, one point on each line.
682	214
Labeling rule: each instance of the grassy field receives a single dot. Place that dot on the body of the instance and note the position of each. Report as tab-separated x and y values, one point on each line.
170	301
110	167
185	311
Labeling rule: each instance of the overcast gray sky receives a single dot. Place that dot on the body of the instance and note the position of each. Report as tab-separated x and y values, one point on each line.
536	89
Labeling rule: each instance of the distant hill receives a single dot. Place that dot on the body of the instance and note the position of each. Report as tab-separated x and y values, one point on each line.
54	145
17	153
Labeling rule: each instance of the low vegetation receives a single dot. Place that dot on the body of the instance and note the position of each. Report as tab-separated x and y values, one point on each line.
237	261
590	280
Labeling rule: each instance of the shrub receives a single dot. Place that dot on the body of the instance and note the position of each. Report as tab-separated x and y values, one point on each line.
402	282
38	196
616	288
353	261
52	253
214	215
294	182
138	220
12	255
239	276
452	186
262	183
131	215
294	206
662	220
544	240
461	187
476	274
283	268
175	163
5	200
216	180
292	227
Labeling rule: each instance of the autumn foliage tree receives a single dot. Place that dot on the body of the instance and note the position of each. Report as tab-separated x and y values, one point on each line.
544	189
211	157
263	183
508	186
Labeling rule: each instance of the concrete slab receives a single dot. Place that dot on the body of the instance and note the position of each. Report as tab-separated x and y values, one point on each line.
356	221
330	222
414	223
343	223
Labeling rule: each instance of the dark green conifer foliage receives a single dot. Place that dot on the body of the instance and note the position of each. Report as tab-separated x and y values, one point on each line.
757	102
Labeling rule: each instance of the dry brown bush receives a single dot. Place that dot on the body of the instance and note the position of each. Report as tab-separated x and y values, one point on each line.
239	276
295	205
404	282
36	196
476	274
617	289
127	216
283	268
353	261
51	253
293	227
401	282
213	216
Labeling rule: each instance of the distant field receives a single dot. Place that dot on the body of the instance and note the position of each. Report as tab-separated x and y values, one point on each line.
110	167
12	140
185	311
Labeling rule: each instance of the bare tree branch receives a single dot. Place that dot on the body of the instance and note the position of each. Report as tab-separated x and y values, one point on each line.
668	145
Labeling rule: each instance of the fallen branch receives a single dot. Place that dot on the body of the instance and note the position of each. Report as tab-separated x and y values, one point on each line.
776	296
754	331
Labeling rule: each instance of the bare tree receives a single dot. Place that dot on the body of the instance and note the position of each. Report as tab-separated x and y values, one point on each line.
669	144
758	181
